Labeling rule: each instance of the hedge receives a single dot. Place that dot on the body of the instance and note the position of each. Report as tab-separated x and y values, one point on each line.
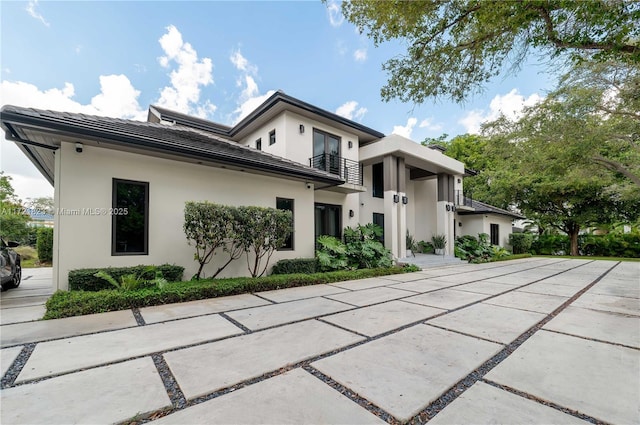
296	265
77	303
44	244
610	245
84	279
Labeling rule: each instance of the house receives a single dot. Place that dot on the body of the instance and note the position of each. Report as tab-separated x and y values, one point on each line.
120	186
476	217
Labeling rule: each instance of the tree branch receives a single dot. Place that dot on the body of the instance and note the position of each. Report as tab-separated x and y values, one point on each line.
616	166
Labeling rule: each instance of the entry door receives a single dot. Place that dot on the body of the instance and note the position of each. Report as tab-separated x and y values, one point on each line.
328	220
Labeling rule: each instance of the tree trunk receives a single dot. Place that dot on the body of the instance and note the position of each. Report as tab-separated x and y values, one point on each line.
572	230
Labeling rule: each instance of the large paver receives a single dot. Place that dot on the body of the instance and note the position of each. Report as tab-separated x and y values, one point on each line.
485	404
165	312
422	286
618	288
595	378
466	277
501	324
7	356
55	357
403	372
446	298
278	314
301	292
408	277
21	333
521	278
548	288
528	301
572	279
605	326
381	318
356	285
102	395
295	397
206	368
370	296
622	305
488	288
22	314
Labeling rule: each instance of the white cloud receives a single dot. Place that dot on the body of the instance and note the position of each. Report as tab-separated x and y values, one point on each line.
334	13
430	125
350	110
341	47
405	130
360	55
31	10
250	97
186	81
510	105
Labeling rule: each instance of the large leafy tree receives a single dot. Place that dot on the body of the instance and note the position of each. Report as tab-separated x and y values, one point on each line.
13	220
454	47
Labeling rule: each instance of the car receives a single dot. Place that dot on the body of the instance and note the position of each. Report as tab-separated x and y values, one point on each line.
10	268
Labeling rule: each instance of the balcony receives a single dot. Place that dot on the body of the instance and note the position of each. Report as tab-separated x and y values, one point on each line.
464	203
350	171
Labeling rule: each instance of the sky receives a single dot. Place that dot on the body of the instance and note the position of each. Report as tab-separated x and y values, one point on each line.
219	61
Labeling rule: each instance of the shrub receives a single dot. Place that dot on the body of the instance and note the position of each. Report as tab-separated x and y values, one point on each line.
76	303
551	245
439	241
426	247
610	245
520	242
44	244
362	250
85	279
478	250
296	265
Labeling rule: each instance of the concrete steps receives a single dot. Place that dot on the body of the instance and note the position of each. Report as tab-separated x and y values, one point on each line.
427	261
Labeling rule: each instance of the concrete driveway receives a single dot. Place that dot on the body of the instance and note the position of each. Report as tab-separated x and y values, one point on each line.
26	302
525	341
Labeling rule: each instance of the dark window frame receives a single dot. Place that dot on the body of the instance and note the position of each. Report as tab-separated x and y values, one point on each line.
114	217
293	222
494	233
333	164
377	183
272	137
259	144
339	207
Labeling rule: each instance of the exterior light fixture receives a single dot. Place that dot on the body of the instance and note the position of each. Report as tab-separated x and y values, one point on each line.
351	213
350	144
448	207
396	198
405	200
301	128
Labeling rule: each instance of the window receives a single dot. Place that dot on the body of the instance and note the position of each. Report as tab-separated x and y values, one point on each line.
287	205
130	218
379	220
259	144
328	220
272	137
326	152
495	234
377	180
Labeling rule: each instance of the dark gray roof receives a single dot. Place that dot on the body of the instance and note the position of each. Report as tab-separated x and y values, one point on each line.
277	97
176	140
482	208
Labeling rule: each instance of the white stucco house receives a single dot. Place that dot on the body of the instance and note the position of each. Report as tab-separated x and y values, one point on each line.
331	172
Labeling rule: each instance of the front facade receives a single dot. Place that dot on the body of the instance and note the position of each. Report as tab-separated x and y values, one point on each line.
330	171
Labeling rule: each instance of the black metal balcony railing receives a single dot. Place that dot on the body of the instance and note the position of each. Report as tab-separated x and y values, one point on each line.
349	170
462	199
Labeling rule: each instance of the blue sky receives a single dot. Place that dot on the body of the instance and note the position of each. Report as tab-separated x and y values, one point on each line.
217	60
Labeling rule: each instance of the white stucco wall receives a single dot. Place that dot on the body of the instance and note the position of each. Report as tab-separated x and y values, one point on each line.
369	204
86	182
481	223
424	200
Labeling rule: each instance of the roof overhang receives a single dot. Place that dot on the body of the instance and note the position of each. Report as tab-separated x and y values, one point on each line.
415	155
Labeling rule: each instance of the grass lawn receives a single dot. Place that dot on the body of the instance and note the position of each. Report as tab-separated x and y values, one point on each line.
583	257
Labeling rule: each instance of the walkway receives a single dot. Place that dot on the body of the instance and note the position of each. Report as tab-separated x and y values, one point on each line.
527	341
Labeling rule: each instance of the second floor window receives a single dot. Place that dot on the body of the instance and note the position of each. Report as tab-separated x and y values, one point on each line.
326	152
377	180
259	144
272	137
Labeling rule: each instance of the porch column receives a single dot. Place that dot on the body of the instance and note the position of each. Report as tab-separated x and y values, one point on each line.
395	219
445	214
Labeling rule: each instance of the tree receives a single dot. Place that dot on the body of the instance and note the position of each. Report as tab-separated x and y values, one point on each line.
262	231
454	47
13	219
43	204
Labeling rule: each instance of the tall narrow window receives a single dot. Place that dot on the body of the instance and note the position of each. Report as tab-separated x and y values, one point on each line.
130	218
259	144
326	152
495	234
328	220
377	180
287	205
379	220
272	137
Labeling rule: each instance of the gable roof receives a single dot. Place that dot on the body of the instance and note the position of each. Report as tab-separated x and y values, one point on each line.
482	208
39	133
276	103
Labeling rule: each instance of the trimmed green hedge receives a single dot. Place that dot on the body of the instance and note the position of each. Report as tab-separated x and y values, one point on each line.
610	245
84	279
77	303
296	265
44	244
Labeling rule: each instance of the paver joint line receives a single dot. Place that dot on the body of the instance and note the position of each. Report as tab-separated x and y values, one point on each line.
16	367
461	386
591	339
178	400
138	316
236	323
320	319
464	333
